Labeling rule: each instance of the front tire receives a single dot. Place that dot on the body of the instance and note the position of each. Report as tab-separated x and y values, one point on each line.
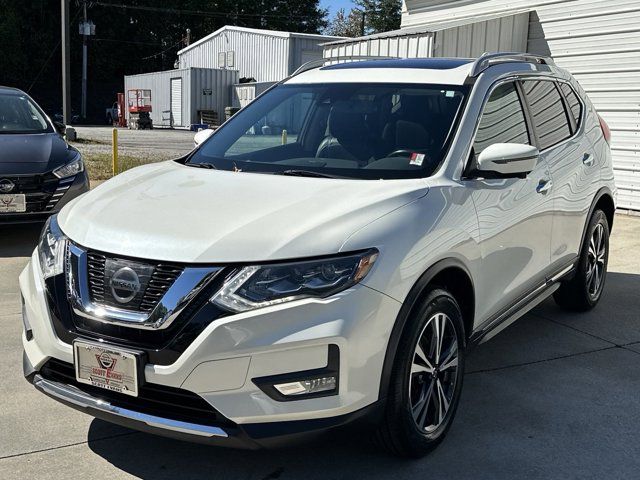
426	378
584	290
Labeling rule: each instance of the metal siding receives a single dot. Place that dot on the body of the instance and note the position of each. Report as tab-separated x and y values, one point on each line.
410	46
597	41
265	57
193	82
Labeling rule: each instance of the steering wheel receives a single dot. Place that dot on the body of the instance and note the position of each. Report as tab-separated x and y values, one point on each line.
399	153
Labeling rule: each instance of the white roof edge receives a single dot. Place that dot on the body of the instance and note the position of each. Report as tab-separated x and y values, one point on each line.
257	31
431	27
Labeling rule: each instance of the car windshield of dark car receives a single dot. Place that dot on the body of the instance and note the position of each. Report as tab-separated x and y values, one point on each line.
18	114
356	130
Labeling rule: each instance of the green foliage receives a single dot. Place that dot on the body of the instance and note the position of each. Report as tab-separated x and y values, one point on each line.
344	25
380	15
127	40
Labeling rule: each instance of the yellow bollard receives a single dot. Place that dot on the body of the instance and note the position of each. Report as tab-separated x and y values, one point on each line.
284	137
115	151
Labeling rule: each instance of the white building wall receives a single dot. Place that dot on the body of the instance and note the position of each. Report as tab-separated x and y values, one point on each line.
194	82
263	57
598	41
260	54
410	46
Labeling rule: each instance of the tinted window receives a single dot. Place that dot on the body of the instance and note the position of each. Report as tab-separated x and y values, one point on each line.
357	130
18	114
502	120
574	103
547	110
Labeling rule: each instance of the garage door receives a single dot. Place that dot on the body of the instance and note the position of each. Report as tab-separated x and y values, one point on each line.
176	102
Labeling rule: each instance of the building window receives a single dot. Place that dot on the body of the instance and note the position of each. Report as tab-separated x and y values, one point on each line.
222	60
231	59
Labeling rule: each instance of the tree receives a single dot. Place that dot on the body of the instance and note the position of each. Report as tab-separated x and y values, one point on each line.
381	15
132	36
346	26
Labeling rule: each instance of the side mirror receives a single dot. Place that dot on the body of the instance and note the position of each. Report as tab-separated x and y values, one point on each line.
60	127
202	135
509	159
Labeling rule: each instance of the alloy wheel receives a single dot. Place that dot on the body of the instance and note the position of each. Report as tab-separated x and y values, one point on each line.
434	373
596	260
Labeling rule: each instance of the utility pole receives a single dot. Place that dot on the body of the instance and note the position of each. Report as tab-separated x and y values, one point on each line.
66	67
85	25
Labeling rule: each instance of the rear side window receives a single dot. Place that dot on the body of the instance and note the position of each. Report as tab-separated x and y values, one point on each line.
502	120
573	102
549	117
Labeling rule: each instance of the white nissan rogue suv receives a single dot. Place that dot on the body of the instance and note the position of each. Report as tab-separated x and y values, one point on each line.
328	254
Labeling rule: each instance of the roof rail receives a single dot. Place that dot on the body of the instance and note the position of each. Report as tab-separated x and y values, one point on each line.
485	60
321	61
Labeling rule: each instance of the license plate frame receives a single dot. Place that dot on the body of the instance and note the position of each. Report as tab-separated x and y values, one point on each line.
13	203
91	364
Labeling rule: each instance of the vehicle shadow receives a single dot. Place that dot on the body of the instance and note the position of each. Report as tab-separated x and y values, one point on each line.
532	394
19	240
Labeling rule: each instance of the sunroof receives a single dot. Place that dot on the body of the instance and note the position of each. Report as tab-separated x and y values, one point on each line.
425	63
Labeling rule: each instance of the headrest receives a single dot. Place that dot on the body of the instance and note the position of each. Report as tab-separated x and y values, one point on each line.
411	136
347	122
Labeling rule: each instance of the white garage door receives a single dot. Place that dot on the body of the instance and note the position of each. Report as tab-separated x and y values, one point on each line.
176	102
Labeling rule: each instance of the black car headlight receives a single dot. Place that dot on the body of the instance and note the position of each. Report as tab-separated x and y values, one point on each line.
74	167
264	285
51	249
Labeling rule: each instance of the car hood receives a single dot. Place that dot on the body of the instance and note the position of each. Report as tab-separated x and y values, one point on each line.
22	154
169	212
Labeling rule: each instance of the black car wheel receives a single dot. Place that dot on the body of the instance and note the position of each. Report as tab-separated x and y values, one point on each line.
427	378
584	290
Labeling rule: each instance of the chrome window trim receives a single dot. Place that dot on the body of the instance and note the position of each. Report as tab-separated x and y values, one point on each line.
185	288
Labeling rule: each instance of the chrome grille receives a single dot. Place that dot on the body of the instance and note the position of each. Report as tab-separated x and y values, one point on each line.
156	279
42	192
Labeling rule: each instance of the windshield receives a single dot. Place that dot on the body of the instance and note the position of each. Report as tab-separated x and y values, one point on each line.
18	114
367	131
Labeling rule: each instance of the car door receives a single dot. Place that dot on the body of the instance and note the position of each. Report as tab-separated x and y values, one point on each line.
556	112
514	214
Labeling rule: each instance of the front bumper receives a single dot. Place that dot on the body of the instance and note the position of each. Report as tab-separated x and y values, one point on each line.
63	195
220	365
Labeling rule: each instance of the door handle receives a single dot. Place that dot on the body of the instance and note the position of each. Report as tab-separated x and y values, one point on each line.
544	186
587	159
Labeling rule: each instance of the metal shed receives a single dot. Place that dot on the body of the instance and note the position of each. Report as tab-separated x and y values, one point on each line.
447	39
180	97
597	41
265	55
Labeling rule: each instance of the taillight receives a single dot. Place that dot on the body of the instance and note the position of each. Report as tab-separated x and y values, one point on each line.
606	131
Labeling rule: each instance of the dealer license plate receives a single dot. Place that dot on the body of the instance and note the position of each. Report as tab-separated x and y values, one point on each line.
16	203
106	367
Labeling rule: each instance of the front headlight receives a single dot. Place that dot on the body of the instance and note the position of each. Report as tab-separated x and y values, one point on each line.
264	285
51	249
74	167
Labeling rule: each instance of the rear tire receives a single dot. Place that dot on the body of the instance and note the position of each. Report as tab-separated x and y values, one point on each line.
584	290
426	379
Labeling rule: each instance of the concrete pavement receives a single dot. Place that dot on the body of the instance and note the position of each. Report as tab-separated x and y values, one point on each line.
556	395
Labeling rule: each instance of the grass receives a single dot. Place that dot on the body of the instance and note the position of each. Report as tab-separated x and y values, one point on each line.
99	165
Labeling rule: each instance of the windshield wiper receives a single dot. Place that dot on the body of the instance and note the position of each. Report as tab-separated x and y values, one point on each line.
209	166
306	173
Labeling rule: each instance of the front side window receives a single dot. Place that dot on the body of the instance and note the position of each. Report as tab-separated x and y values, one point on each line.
366	131
502	120
18	114
547	110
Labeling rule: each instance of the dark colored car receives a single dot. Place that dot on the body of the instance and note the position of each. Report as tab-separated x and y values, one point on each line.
39	171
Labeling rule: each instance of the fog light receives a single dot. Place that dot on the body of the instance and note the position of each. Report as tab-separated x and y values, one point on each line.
303	387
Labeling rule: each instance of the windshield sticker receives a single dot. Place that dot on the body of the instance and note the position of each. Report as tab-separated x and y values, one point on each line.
416	159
